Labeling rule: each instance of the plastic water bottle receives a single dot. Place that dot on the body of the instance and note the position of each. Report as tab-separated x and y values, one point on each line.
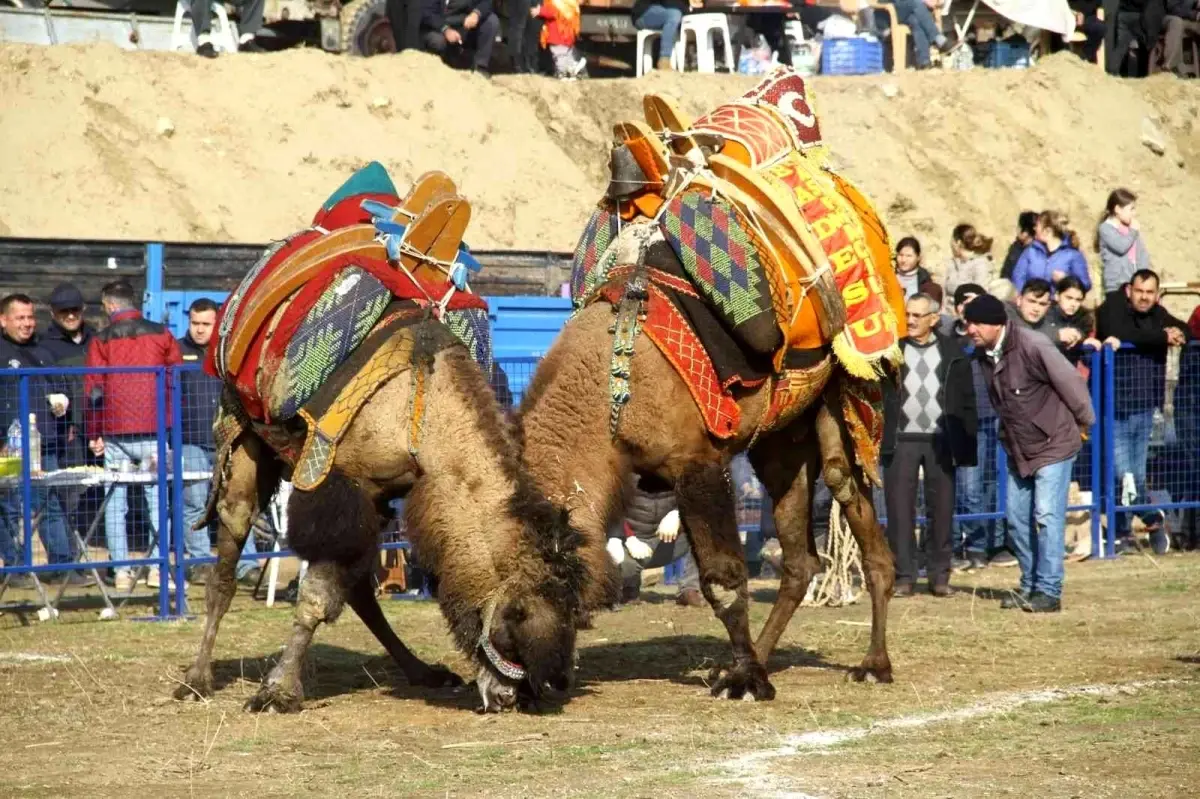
14	438
35	445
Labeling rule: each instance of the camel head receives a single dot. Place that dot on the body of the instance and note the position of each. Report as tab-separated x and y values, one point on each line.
527	639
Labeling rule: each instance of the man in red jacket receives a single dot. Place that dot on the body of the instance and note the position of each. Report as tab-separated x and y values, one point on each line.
122	417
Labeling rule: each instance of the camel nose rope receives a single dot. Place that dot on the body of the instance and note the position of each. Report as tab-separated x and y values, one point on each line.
507	668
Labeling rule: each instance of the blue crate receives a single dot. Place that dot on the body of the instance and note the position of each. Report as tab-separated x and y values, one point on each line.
1009	54
851	56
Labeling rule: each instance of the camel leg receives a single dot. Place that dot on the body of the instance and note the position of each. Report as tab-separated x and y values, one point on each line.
360	593
320	601
788	469
849	486
706	509
253	477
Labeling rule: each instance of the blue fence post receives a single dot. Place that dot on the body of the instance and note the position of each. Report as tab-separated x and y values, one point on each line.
176	456
1002	490
1094	435
153	305
164	561
26	469
1107	402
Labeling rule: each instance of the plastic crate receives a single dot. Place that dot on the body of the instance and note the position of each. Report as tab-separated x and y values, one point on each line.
851	56
1005	54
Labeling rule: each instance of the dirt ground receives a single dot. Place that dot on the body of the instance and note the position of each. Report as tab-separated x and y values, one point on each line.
1100	701
103	143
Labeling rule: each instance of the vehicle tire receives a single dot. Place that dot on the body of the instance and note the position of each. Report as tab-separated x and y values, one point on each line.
366	30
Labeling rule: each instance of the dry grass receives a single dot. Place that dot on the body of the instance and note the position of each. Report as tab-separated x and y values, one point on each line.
96	719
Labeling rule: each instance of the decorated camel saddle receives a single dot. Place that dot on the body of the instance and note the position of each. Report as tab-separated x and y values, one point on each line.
331	313
787	258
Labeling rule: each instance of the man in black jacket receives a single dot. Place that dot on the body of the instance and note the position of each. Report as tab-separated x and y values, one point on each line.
48	403
1132	315
1026	221
449	27
199	396
930	422
1130	21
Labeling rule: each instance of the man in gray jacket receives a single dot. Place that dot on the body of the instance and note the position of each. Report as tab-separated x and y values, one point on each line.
1044	412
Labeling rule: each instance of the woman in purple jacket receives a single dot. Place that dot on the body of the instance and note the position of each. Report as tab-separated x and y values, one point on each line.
1053	255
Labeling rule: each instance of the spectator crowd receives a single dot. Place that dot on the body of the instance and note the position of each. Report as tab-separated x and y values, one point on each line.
994	357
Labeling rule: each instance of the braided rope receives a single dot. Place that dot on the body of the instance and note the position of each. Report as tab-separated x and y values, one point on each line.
841	581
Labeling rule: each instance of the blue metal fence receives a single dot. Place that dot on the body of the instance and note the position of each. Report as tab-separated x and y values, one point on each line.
1141	430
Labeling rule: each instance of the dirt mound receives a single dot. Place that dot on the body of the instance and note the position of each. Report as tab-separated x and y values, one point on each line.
103	143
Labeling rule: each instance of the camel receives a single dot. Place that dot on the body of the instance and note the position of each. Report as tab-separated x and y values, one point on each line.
417	419
610	399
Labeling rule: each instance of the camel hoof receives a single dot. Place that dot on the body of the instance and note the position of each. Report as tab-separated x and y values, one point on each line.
746	683
195	686
273	699
871	674
438	677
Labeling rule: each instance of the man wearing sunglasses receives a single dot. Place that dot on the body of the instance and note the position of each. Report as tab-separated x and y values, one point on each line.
929	424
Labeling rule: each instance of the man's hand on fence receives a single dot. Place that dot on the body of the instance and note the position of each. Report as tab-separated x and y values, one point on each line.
1113	342
668	528
1175	337
96	445
58	404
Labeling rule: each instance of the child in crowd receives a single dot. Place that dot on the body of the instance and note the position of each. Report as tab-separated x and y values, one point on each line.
970	262
559	35
1119	241
1053	255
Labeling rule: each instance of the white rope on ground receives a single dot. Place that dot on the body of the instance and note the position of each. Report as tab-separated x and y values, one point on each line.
841	579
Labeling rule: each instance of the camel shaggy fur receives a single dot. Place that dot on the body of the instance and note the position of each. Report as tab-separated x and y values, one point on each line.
569	450
507	562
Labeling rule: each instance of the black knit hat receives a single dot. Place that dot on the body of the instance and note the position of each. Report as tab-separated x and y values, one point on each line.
960	293
985	310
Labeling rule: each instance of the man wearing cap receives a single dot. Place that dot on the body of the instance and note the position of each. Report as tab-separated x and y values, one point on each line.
1044	409
67	339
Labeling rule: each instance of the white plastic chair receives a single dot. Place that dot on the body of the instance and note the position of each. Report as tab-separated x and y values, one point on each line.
645	55
705	28
224	36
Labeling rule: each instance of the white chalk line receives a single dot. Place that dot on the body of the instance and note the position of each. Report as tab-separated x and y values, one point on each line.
31	657
751	768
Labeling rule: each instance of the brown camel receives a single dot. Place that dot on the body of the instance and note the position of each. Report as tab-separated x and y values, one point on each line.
569	451
356	420
504	557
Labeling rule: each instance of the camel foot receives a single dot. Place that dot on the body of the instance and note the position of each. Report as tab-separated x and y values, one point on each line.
872	671
197	685
747	682
274	698
436	677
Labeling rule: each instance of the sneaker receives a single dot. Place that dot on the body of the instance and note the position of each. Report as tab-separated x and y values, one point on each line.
154	580
1015	599
198	575
976	561
902	590
77	579
1043	603
1003	558
206	50
251	577
251	46
690	598
663	64
123	583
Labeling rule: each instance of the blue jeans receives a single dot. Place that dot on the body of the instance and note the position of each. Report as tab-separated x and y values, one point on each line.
977	493
663	19
198	543
52	526
129	453
917	16
1039	502
1131	447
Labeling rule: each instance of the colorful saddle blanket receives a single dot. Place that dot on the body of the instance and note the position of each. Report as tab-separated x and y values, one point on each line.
770	235
313	298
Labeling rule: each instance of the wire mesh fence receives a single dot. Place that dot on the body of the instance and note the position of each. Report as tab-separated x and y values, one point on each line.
104	473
